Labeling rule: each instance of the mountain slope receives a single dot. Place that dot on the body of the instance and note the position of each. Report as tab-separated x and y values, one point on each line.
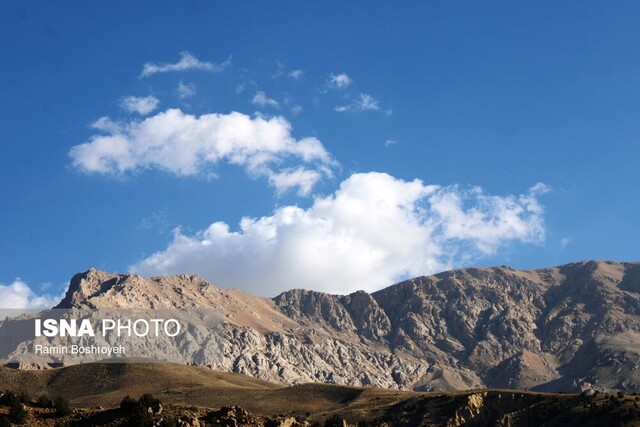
195	395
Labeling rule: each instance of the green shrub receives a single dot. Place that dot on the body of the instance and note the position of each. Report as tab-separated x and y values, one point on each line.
148	401
62	405
8	398
44	401
17	413
334	421
139	418
24	397
138	410
169	422
129	404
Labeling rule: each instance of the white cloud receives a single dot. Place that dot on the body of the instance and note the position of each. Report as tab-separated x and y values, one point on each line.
374	231
140	105
296	74
296	109
186	90
299	177
187	62
340	81
187	145
363	103
564	242
367	102
261	99
19	296
390	142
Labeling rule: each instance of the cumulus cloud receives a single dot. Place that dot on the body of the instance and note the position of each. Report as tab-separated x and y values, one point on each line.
187	62
373	231
186	90
364	102
141	105
188	145
19	296
261	99
340	81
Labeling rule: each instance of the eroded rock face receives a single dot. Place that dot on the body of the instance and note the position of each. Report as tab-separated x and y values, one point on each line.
551	329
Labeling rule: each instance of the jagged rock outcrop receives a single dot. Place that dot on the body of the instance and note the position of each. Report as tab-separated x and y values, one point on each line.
549	329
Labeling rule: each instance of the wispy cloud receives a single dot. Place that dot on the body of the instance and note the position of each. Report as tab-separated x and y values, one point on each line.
364	102
390	142
188	145
374	230
187	62
564	242
340	81
140	105
186	90
158	220
296	74
261	99
280	70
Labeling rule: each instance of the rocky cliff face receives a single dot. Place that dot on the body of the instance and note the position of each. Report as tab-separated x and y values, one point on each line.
564	328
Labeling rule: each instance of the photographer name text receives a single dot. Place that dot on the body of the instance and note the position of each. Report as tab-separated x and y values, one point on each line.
79	349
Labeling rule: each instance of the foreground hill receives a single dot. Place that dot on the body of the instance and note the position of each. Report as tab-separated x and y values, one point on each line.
565	328
196	395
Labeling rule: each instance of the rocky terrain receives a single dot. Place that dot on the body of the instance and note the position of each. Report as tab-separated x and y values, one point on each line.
569	328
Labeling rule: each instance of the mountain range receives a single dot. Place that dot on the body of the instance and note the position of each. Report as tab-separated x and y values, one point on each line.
569	328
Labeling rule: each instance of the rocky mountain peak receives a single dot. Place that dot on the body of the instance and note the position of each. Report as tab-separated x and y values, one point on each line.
84	286
98	289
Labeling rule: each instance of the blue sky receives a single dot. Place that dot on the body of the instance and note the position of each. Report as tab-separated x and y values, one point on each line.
136	137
